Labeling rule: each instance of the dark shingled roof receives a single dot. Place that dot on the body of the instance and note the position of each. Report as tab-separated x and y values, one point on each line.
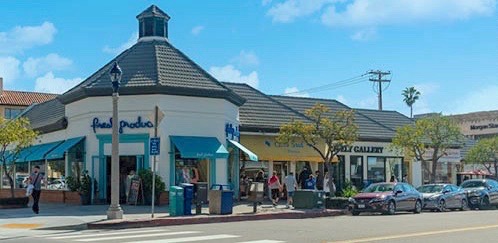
391	119
153	11
153	66
261	112
368	128
47	117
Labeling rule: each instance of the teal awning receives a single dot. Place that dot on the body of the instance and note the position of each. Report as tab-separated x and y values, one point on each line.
199	147
58	153
252	156
39	151
24	153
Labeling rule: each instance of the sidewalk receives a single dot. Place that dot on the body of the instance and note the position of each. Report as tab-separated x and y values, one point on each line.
60	216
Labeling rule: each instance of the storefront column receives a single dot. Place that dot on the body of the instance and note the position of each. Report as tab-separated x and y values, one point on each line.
347	169
270	174
293	167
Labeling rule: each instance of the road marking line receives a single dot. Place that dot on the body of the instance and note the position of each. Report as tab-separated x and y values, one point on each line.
21	226
139	236
190	239
263	241
409	235
100	234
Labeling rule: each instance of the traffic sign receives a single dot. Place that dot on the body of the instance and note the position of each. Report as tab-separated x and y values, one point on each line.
155	147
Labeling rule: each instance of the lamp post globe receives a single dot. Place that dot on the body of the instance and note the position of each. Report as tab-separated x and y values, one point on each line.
115	211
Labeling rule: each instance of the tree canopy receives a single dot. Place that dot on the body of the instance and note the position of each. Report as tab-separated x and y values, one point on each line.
428	140
327	132
15	135
485	152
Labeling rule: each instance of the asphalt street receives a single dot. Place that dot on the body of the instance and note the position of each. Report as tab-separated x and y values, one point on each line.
468	226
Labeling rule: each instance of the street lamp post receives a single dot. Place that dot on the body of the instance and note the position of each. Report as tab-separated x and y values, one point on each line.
115	211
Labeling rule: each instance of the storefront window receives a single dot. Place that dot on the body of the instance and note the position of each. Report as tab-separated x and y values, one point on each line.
356	169
394	168
376	169
191	170
55	175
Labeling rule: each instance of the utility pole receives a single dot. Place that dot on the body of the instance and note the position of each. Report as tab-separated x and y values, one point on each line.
377	78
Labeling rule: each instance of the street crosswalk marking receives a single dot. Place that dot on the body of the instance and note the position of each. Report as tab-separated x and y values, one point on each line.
73	236
263	241
190	239
139	236
151	235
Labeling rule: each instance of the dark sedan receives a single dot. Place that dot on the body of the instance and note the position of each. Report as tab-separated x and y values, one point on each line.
481	193
387	198
441	197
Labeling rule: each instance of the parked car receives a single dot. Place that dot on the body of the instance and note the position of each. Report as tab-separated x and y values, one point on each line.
57	184
387	198
441	197
481	193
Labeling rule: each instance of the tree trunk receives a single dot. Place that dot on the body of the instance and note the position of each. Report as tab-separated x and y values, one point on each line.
411	111
331	176
9	178
434	165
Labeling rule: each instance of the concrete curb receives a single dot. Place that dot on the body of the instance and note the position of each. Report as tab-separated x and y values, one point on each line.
170	221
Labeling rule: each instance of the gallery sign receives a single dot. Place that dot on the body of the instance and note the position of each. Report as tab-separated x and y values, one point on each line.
363	149
139	123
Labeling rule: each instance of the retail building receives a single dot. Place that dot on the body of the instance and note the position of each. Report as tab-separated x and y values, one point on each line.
209	130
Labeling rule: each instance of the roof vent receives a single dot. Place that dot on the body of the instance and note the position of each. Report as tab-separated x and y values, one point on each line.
153	22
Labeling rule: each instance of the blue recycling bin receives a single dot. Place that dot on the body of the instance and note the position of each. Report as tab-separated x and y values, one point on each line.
220	199
188	196
176	201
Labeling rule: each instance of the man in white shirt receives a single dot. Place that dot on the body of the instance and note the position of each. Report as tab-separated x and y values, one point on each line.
291	185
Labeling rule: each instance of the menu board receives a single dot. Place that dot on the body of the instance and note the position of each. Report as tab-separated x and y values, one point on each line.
134	190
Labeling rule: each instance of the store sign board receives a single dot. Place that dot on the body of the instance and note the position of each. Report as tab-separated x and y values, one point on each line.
232	132
363	149
139	123
483	127
155	147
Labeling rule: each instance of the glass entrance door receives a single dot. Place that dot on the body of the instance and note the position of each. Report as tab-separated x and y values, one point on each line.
126	165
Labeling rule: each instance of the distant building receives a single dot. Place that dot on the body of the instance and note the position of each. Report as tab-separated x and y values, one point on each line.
12	103
477	125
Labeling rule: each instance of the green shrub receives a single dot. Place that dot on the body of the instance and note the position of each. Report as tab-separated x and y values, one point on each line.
146	176
349	190
73	183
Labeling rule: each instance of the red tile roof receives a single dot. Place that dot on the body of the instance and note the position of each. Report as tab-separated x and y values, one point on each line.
24	98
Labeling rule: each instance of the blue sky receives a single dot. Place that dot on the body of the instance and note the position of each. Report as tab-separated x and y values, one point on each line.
448	49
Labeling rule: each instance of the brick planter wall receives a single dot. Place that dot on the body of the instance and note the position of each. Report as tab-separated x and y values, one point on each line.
47	196
164	198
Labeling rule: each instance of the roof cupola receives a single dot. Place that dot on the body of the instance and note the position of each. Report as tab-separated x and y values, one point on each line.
153	22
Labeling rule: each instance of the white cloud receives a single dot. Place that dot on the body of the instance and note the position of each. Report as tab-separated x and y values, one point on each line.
197	30
365	35
51	84
342	99
480	100
117	50
368	103
366	13
229	73
246	59
426	89
24	37
9	69
294	91
52	62
287	11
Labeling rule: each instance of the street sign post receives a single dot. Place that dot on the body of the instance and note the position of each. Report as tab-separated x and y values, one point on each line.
155	147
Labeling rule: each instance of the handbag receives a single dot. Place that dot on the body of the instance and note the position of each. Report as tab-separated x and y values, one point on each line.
29	190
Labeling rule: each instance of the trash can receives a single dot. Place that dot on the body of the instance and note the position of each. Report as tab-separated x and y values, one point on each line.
304	199
176	201
220	199
201	192
188	196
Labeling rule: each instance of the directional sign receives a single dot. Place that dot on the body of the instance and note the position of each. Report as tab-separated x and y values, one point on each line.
155	146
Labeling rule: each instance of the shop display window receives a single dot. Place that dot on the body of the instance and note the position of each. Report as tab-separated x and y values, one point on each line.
376	169
55	175
191	170
356	168
394	168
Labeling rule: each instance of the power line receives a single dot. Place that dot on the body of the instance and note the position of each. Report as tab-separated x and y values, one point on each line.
338	84
377	78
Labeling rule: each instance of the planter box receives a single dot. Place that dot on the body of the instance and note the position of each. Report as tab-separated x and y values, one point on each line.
72	198
337	203
164	198
16	202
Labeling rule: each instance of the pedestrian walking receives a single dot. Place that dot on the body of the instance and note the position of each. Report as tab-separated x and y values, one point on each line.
291	185
36	179
275	187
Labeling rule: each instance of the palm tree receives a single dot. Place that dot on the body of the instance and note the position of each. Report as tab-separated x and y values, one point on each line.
410	96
